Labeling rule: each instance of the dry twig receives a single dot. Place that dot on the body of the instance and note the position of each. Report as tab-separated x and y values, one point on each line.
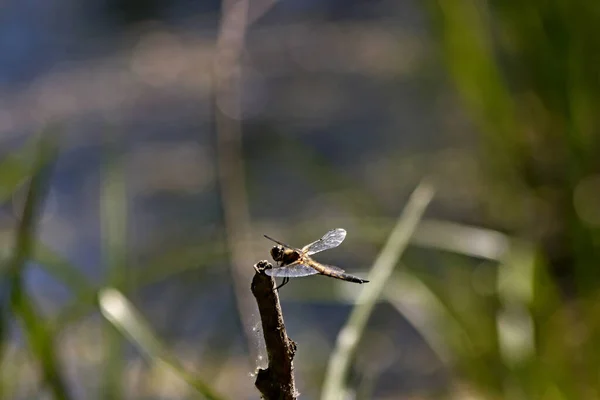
277	381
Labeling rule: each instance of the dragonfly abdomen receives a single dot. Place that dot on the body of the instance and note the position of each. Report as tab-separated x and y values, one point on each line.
338	273
346	277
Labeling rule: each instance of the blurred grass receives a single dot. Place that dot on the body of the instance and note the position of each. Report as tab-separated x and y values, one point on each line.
39	334
113	305
18	166
113	221
179	259
121	313
527	74
349	337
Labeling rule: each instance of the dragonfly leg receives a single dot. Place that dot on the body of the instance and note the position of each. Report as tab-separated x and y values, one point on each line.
283	283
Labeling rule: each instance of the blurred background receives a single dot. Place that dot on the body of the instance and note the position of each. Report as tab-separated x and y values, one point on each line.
147	146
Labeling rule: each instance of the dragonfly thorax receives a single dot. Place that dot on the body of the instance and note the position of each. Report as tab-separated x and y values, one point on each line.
284	256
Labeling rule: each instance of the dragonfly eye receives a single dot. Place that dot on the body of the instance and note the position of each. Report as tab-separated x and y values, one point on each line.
277	253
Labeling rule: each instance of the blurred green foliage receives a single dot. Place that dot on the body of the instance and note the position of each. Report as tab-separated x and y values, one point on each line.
528	74
40	336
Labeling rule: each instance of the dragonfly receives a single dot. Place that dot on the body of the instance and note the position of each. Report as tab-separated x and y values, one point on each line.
294	263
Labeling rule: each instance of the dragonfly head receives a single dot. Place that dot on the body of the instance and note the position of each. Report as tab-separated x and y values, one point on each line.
277	253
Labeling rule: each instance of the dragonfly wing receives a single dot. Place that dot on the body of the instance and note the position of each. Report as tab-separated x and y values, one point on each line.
291	271
331	239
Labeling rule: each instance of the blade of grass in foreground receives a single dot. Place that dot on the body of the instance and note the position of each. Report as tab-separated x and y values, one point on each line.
334	386
62	270
38	333
113	218
424	310
181	259
121	313
18	166
15	169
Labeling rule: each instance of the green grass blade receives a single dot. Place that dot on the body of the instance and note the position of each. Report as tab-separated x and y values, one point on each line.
38	333
62	270
121	313
42	343
424	310
348	339
113	222
17	167
180	259
462	239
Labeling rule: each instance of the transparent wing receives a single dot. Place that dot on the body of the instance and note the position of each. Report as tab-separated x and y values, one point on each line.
291	271
331	239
